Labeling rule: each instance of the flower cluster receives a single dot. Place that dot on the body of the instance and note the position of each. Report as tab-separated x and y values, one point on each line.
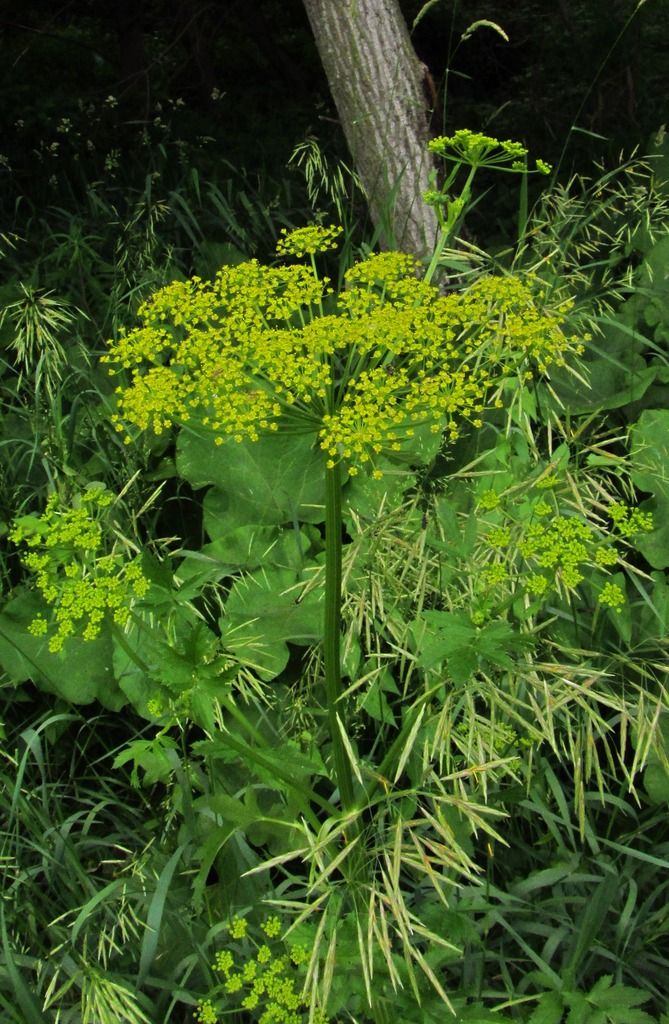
75	574
630	521
611	596
561	546
480	150
558	550
262	981
308	241
389	354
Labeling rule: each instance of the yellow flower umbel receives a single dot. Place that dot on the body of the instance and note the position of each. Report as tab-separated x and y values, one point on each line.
555	551
74	572
478	150
263	980
362	370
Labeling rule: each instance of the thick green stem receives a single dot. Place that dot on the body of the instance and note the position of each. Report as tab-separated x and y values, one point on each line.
332	635
331	653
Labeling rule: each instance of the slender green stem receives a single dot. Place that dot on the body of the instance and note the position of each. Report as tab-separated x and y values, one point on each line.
454	215
332	634
356	868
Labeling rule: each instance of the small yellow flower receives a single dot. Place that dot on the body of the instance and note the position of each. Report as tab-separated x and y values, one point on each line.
537	585
206	1013
238	927
299	954
224	961
272	926
606	555
489	500
611	596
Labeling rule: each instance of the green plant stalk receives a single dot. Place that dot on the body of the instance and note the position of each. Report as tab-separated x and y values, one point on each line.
332	634
334	690
454	215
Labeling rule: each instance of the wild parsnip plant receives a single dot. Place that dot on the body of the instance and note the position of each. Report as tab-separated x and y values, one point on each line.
440	604
364	372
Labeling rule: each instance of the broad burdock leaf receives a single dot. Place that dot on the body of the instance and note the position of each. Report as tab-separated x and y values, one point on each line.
275	480
264	612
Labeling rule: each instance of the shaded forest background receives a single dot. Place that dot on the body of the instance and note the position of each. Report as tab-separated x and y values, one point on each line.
90	90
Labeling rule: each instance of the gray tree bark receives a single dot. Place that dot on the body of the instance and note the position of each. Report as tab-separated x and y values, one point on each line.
376	82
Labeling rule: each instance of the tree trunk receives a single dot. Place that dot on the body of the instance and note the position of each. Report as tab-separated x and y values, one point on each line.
376	82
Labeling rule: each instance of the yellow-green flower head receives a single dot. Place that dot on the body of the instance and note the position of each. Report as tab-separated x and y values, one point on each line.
272	926
479	150
630	521
238	927
206	1013
308	241
475	147
82	582
224	961
361	371
611	596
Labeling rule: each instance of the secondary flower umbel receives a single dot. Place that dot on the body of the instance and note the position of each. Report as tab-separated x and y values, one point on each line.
77	575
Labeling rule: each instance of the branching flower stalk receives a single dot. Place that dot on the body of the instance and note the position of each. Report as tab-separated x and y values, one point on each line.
475	151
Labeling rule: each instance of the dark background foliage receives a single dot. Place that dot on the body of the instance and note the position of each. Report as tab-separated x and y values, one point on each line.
243	82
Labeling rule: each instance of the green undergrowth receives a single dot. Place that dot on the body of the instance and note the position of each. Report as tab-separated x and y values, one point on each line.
450	801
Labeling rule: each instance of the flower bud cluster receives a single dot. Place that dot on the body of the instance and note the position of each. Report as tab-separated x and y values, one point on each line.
559	551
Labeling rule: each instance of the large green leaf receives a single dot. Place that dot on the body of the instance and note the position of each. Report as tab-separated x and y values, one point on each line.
649	304
451	637
616	372
246	548
80	673
275	480
650	472
264	612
